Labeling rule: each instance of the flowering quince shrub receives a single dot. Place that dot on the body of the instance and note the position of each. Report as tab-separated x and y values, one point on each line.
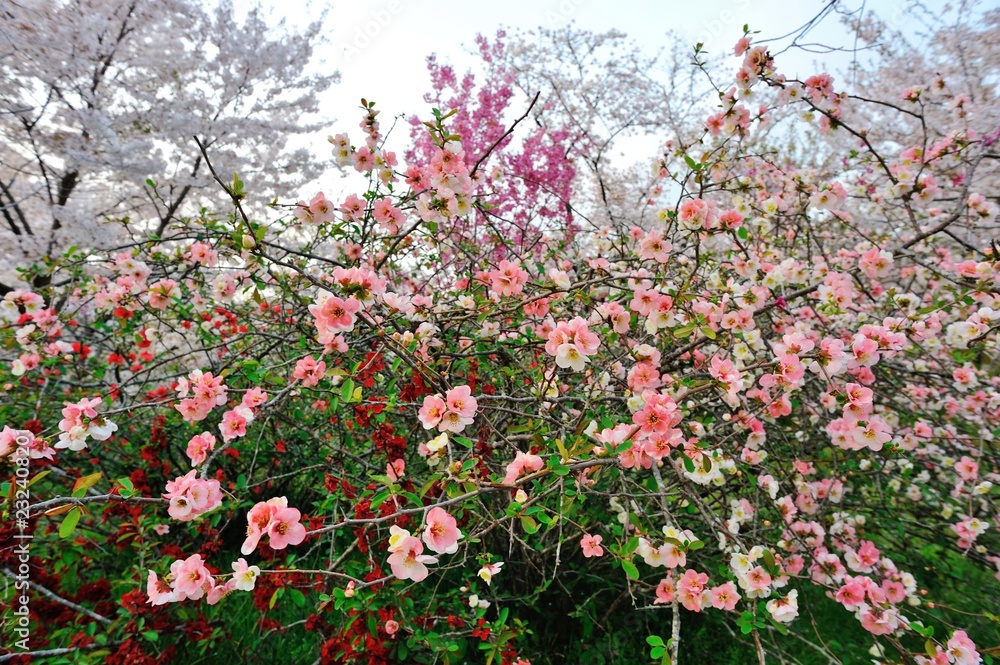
414	425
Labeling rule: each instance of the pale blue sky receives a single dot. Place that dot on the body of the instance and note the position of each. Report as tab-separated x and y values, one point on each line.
380	46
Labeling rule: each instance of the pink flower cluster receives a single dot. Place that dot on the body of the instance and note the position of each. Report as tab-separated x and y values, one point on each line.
79	421
360	283
658	308
37	447
406	557
507	279
451	414
319	210
161	292
207	392
572	342
960	650
657	421
309	371
234	422
190	579
858	429
876	263
191	497
522	462
333	316
275	519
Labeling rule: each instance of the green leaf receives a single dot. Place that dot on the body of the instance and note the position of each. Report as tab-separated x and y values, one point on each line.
769	563
428	485
529	525
39	476
380	499
562	449
69	523
684	331
630	569
347	390
654	641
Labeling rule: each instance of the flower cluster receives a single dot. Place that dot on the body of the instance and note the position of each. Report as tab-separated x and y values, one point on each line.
451	414
190	497
277	521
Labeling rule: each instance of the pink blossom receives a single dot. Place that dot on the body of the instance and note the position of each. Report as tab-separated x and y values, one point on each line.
191	497
335	314
320	209
254	398
591	545
851	596
216	592
757	579
665	590
395	468
461	401
284	529
408	561
309	371
280	523
522	461
432	411
654	247
724	597
689	589
159	591
234	425
441	532
874	434
199	446
967	468
508	279
388	216
962	650
191	578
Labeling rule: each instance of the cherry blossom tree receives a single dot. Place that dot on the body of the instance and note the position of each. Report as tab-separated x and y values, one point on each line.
102	99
